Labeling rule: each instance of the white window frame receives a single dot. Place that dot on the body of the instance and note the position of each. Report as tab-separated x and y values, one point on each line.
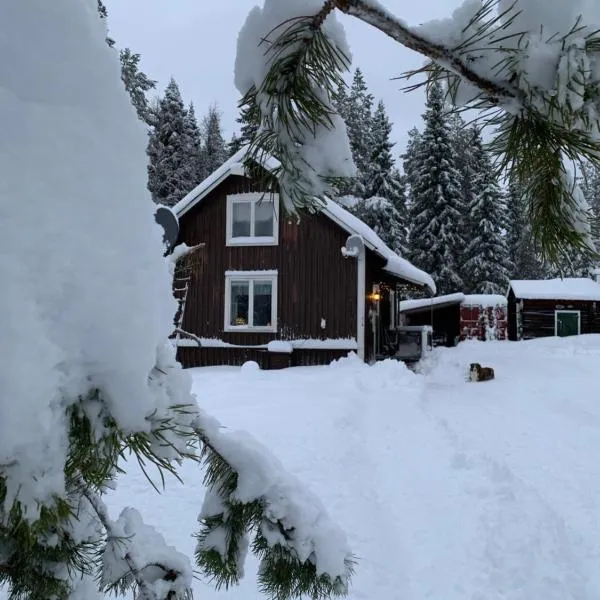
251	277
254	199
560	310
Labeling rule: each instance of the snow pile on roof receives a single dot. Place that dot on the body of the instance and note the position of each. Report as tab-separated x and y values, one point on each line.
406	305
575	288
396	265
86	296
485	300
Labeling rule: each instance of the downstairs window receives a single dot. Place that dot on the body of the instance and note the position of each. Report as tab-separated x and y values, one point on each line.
251	301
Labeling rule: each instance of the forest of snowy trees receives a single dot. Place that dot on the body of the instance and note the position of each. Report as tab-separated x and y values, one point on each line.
440	201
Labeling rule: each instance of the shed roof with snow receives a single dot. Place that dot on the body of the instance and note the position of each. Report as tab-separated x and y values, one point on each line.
481	300
572	288
395	264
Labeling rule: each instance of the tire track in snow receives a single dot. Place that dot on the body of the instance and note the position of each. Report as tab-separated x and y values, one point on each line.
374	537
528	549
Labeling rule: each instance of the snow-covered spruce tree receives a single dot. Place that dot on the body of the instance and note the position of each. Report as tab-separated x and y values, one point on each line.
172	165
435	242
524	258
196	159
382	177
466	164
590	186
487	264
137	83
214	149
359	124
249	120
101	380
531	67
381	215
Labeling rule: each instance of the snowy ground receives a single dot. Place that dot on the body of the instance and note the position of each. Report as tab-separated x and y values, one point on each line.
447	489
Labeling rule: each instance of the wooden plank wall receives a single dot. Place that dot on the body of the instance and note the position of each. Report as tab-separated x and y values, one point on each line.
315	281
538	316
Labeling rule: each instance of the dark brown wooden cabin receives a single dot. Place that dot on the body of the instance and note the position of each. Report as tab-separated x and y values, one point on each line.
277	290
543	308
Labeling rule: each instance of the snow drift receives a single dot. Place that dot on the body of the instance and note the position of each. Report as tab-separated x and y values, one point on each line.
86	297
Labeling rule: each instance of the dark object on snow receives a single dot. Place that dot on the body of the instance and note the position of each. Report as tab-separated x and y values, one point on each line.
168	220
479	373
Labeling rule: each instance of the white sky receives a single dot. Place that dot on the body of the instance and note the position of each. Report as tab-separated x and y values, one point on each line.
195	42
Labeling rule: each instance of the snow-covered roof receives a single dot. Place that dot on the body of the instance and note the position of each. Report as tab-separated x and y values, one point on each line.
396	265
484	300
574	288
424	303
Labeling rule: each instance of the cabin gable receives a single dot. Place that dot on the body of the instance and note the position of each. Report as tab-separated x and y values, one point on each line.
315	285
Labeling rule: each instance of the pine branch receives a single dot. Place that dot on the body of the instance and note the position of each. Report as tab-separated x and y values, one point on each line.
482	69
375	15
228	520
146	593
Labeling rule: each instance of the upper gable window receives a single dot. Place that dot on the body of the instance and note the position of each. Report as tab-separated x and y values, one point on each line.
252	219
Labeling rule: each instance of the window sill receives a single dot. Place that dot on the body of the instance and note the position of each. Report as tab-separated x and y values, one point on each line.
252	241
247	329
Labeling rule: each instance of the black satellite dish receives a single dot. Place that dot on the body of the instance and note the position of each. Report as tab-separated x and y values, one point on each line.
168	220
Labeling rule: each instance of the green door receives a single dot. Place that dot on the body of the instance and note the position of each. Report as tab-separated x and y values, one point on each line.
567	323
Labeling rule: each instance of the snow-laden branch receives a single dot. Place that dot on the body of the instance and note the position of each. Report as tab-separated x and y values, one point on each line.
146	593
137	552
375	15
250	493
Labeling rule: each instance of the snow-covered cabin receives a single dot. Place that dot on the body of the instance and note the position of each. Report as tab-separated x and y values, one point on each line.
278	290
457	317
542	308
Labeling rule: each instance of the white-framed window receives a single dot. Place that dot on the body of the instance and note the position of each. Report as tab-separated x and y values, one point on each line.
252	219
251	301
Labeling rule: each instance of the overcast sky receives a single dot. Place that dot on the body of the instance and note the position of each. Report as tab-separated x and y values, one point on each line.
195	42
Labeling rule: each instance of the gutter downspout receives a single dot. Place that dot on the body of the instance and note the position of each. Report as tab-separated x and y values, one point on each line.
355	247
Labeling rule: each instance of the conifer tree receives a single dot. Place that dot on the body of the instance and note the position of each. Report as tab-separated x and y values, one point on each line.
194	153
381	215
382	179
524	258
214	149
487	266
435	241
170	175
137	83
249	121
590	186
466	164
359	123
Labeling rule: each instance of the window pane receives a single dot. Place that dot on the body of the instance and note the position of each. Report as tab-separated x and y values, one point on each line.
263	219
239	302
263	299
240	219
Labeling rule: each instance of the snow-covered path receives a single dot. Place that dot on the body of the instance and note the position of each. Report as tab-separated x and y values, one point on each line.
447	490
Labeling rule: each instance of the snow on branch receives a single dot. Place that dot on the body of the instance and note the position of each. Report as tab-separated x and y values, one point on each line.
375	15
533	74
137	553
251	495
